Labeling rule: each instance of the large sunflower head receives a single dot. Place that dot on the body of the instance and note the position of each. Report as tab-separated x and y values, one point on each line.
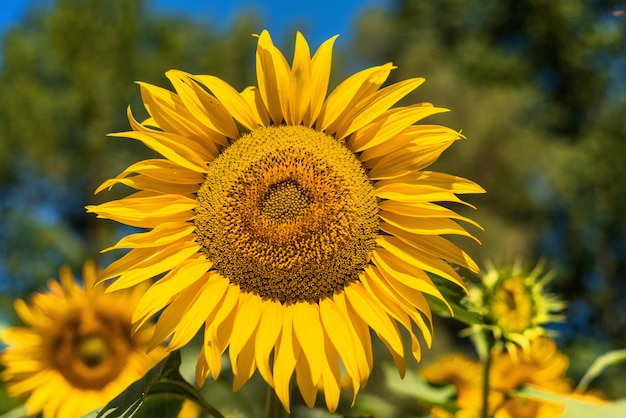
288	222
76	351
516	304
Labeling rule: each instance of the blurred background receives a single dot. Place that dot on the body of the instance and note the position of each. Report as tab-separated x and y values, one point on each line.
537	86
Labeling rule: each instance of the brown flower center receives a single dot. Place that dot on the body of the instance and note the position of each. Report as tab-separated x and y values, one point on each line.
288	213
90	348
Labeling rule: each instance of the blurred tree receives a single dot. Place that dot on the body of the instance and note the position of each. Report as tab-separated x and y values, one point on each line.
67	76
538	87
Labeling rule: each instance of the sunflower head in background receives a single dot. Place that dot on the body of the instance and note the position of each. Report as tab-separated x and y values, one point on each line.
541	366
516	304
76	351
287	222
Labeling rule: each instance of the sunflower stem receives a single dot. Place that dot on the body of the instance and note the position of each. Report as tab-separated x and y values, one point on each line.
273	407
209	408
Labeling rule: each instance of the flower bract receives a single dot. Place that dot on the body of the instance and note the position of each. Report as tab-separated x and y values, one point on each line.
516	304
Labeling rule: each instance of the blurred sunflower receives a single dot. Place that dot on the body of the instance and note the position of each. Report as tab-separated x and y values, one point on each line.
541	366
516	304
77	352
464	374
288	222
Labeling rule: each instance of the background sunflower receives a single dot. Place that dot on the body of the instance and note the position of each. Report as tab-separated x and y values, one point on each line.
76	352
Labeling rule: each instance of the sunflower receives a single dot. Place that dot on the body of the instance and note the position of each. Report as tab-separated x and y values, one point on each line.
287	222
515	303
464	374
541	366
77	351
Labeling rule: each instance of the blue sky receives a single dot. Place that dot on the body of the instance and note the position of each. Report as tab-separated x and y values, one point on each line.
318	19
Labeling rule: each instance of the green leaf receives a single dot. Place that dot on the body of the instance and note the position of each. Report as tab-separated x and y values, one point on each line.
598	366
578	408
19	412
160	406
126	403
417	388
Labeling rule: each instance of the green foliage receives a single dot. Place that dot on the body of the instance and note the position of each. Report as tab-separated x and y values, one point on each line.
17	412
537	88
598	366
68	73
128	402
162	389
577	408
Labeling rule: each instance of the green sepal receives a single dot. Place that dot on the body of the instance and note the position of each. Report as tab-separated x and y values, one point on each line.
455	296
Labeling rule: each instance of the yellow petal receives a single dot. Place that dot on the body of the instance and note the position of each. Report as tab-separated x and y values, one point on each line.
141	182
350	92
203	106
414	135
169	113
423	210
164	171
199	307
407	295
24	312
398	311
308	331
172	316
285	358
409	299
252	96
246	323
202	367
406	253
424	226
171	147
161	235
377	104
331	375
219	328
369	311
146	210
132	270
304	381
300	79
341	335
435	246
320	70
390	124
362	331
244	365
272	77
163	291
408	160
236	105
270	325
430	180
204	148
